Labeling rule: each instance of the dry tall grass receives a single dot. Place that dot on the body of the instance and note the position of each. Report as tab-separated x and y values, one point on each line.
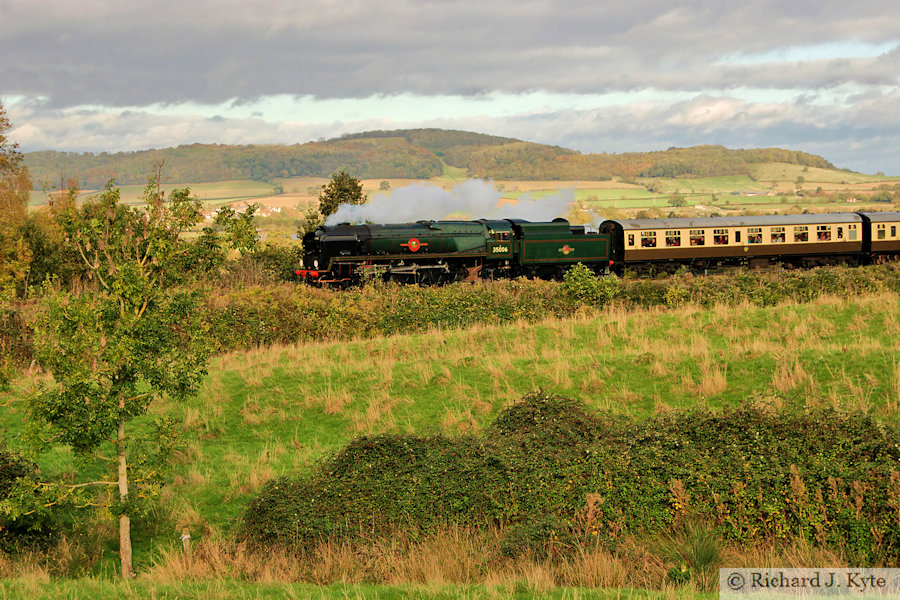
788	374
455	555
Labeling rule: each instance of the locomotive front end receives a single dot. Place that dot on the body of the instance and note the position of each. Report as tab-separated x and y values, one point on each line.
312	257
322	250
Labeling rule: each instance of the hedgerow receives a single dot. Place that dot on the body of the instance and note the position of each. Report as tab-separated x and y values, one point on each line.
552	472
262	315
286	314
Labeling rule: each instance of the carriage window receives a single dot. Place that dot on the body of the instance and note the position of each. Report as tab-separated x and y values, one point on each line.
754	235
852	232
777	235
801	234
648	239
893	231
840	233
673	238
882	232
697	237
631	239
823	233
720	237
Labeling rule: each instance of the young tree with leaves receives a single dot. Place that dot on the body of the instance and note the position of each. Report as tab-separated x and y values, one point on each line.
112	353
240	230
342	189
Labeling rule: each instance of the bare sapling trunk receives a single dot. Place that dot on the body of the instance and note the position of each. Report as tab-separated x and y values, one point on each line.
124	520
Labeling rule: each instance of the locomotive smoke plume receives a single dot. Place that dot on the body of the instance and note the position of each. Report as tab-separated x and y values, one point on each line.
473	199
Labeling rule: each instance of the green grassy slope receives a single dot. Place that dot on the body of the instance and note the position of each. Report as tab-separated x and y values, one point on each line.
272	411
275	411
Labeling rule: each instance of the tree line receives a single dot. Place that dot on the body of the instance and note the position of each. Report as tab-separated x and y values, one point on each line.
405	154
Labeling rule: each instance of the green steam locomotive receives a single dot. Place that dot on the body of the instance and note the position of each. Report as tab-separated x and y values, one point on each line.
434	252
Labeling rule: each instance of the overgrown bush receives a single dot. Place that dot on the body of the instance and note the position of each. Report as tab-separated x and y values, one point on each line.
21	532
260	315
280	261
266	314
549	464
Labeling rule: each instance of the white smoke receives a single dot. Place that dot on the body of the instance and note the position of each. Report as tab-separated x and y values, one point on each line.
473	199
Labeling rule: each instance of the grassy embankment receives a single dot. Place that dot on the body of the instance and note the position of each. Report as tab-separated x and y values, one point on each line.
277	410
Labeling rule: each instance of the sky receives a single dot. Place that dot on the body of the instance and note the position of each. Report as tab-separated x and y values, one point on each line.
819	76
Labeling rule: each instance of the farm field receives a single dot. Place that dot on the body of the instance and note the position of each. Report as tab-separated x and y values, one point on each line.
212	194
274	411
771	188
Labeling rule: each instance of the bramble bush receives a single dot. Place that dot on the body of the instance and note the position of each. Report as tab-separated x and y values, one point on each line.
554	475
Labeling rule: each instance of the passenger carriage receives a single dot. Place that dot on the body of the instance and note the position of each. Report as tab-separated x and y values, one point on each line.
883	239
797	240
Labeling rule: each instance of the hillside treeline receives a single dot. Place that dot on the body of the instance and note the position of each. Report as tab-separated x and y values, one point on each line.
524	160
404	154
200	163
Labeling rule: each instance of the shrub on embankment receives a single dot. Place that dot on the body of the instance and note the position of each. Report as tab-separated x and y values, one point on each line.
551	471
262	315
286	314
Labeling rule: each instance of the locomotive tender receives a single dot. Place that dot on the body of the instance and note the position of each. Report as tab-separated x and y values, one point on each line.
444	251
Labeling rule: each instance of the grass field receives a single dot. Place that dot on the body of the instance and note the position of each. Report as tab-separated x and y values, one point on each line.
778	172
39	588
275	411
284	407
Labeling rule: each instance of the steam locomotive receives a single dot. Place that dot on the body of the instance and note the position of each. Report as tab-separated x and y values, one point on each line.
445	251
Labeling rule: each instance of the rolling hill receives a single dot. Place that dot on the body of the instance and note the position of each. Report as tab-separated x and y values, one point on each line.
404	154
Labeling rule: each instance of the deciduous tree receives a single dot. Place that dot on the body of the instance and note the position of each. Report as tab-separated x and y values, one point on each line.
15	186
342	189
114	352
15	255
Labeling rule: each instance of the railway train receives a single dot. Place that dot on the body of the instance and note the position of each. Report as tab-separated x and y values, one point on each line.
445	251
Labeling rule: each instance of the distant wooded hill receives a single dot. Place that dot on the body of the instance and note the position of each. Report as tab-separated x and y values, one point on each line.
399	154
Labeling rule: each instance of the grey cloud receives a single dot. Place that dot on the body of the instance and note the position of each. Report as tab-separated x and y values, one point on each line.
114	53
